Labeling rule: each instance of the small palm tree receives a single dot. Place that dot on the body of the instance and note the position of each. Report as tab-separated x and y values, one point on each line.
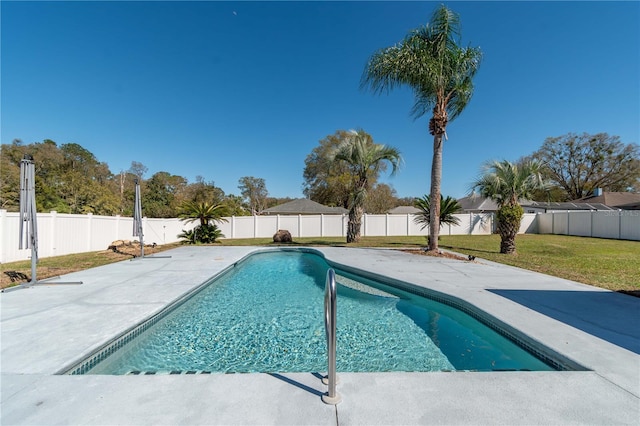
448	207
431	62
206	232
506	183
364	159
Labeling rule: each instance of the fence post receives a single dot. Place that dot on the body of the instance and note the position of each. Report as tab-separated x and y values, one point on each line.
321	225
255	225
233	226
89	217
408	223
386	224
3	218
619	224
299	226
54	223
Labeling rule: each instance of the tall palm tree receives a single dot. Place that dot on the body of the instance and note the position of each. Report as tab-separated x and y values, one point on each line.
440	72
506	183
448	207
364	159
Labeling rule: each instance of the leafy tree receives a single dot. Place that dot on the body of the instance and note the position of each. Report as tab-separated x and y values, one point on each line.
254	191
138	170
10	156
276	201
160	199
579	164
326	181
202	191
431	62
448	207
364	159
506	183
235	206
380	199
405	201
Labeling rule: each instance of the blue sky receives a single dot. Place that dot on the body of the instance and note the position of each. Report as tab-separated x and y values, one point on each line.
231	89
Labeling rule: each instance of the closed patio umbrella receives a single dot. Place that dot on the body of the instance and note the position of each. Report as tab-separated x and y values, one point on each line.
137	223
137	218
28	218
28	227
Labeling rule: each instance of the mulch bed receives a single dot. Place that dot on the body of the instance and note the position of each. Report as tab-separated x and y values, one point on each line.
444	254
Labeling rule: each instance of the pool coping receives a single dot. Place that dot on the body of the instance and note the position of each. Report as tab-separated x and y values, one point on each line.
47	328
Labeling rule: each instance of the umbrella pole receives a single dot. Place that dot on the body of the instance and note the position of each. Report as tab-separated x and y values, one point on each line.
34	261
137	223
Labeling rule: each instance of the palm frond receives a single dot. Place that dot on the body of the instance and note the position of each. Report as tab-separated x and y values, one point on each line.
448	207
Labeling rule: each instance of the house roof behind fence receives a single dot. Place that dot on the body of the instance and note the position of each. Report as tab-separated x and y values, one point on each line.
566	206
304	206
612	199
477	203
404	210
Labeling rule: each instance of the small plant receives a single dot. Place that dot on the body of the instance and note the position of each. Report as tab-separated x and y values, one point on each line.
448	207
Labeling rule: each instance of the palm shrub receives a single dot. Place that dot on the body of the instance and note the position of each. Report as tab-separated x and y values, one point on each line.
201	234
448	207
506	183
206	232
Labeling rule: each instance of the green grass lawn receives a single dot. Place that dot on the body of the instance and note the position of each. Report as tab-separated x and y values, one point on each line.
610	264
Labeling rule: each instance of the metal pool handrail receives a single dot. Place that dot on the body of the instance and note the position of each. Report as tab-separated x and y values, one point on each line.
331	397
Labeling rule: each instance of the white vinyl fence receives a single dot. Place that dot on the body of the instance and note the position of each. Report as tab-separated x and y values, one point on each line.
372	225
614	224
60	234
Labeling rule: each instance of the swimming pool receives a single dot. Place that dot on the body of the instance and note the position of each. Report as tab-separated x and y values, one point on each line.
266	315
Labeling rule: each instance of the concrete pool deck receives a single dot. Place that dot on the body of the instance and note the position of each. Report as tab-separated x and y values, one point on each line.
47	328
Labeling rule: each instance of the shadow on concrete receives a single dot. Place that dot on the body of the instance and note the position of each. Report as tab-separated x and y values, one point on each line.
297	384
607	315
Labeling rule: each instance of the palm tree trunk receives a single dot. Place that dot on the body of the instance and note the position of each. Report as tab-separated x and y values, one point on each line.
436	178
509	218
508	232
355	221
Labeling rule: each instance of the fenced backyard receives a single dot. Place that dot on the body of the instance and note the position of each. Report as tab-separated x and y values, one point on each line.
60	234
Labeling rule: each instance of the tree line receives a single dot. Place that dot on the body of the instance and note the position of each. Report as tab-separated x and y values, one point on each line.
70	179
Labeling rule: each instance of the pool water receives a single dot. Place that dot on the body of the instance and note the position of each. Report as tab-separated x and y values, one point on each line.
266	315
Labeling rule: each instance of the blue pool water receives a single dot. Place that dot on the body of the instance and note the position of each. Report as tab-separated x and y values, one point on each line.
266	315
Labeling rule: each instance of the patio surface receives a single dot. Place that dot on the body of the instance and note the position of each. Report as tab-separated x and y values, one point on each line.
47	328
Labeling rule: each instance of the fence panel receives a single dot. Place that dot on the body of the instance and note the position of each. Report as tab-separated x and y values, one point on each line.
311	225
545	223
617	224
266	226
579	223
334	226
606	225
630	224
560	223
398	224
